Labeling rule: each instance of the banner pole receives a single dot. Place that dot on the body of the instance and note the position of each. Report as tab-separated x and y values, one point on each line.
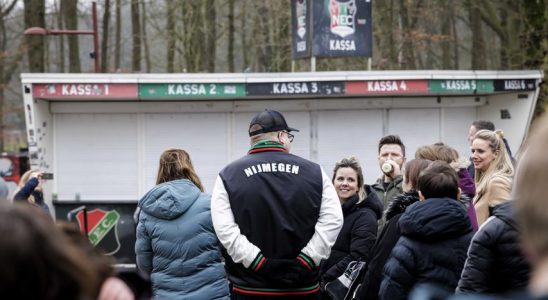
369	64
313	64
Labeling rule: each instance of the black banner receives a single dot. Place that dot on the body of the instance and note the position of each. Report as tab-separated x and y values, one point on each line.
508	85
115	219
321	88
342	28
300	16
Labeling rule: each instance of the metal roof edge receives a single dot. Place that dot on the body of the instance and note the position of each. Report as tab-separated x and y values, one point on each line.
276	77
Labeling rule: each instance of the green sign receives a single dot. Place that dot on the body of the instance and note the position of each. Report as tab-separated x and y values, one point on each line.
101	229
463	86
156	91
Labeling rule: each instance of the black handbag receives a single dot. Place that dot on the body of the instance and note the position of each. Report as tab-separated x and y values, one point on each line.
343	287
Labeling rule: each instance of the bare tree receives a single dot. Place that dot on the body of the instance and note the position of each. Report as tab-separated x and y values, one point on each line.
144	38
171	38
34	17
230	44
9	61
70	9
105	33
136	37
478	52
210	28
60	39
117	34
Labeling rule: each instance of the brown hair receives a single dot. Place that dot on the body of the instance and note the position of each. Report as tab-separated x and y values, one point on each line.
439	180
437	151
176	164
353	163
530	194
392	139
481	125
38	261
101	263
412	170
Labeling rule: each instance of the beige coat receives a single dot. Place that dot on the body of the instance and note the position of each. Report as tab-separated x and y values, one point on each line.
497	191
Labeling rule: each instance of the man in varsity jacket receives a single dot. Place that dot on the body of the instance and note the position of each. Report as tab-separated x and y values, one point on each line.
276	215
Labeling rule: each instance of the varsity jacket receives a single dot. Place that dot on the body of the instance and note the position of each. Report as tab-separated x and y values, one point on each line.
275	204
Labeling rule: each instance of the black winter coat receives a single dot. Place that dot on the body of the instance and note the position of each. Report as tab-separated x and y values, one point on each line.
436	234
357	236
495	263
388	238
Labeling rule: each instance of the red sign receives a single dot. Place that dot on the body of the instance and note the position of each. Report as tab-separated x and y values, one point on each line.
386	87
85	91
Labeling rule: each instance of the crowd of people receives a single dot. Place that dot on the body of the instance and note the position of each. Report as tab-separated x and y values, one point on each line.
276	226
438	224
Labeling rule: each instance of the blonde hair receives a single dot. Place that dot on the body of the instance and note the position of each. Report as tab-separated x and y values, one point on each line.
22	181
176	164
500	166
530	194
354	164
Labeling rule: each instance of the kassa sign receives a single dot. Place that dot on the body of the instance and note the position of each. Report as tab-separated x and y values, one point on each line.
341	28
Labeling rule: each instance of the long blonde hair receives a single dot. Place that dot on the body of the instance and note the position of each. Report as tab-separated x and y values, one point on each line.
176	164
22	181
500	166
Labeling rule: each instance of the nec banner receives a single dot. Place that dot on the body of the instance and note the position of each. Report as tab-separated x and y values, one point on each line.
342	28
300	16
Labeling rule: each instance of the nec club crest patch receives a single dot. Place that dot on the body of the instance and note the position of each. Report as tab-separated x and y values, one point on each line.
102	229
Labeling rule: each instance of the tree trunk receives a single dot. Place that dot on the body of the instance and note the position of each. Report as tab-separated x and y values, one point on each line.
7	68
534	44
230	50
193	36
104	43
145	39
408	56
60	39
243	36
170	30
455	39
504	42
70	8
477	51
34	17
136	37
117	35
210	27
446	22
261	37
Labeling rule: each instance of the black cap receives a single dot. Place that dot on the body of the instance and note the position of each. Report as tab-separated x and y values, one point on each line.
270	120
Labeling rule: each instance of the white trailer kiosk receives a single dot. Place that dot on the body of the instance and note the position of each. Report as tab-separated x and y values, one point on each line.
102	134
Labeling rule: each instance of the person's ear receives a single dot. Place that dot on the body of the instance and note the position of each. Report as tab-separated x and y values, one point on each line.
421	196
459	194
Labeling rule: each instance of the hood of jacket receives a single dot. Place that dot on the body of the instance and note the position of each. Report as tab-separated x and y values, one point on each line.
169	200
400	203
371	201
435	219
505	212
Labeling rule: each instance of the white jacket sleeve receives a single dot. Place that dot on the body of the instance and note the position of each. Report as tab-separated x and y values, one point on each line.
236	244
328	226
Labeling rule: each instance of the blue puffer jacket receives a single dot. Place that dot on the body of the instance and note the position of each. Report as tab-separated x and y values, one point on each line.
176	243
